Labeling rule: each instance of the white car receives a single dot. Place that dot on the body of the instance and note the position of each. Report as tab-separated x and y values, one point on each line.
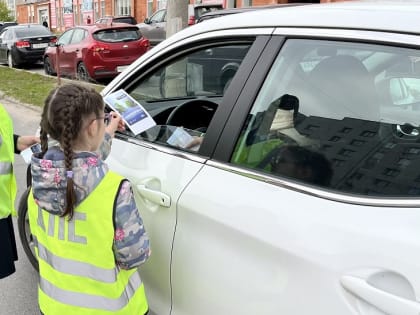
304	195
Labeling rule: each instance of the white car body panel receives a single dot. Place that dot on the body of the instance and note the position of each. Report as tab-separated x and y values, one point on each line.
240	243
295	252
160	172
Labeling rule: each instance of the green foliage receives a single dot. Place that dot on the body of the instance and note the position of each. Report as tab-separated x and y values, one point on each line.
28	88
5	13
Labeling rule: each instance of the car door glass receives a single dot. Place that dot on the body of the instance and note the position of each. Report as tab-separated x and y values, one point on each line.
78	35
185	93
8	35
344	116
65	38
158	17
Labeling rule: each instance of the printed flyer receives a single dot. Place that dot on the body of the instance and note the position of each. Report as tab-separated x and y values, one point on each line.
131	111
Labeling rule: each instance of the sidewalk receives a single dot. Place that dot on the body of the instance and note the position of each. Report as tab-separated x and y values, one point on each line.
7	100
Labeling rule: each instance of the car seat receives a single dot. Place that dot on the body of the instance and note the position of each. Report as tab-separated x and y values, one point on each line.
341	86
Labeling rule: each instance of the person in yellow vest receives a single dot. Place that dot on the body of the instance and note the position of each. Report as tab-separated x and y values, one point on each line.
9	144
89	235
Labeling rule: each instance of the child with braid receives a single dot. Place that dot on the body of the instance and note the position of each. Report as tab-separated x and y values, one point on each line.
89	235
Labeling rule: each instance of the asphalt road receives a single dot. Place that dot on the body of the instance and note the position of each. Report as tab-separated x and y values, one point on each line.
18	292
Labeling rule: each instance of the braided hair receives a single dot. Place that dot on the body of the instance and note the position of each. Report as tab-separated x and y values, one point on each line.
65	110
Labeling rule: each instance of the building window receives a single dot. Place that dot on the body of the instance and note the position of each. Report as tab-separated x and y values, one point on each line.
102	8
123	7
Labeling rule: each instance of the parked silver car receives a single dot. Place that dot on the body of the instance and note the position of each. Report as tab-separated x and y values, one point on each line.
301	194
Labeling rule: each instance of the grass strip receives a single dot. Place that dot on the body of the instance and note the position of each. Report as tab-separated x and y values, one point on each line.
29	88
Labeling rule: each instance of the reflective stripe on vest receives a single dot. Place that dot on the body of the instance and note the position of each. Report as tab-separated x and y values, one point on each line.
89	300
76	268
5	168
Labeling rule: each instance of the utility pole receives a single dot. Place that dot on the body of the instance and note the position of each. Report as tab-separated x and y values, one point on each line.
176	16
175	82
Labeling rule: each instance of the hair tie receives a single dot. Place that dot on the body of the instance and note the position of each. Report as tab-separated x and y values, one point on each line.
69	174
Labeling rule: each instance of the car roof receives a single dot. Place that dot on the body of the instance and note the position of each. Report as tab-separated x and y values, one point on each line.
21	26
100	26
28	25
378	15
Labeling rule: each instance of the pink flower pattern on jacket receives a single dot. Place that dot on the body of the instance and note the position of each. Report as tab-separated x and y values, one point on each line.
119	234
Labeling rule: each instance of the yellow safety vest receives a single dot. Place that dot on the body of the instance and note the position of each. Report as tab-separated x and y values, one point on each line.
78	273
7	179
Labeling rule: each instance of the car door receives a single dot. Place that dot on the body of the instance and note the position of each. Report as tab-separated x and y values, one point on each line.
3	47
65	54
310	203
180	97
76	49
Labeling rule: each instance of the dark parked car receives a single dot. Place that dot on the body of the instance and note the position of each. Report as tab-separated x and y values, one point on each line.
24	44
92	52
6	24
117	19
195	11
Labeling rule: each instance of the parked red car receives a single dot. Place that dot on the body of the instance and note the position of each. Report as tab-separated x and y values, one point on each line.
92	52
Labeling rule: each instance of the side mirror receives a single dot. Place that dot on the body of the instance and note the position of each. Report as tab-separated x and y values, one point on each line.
404	91
146	21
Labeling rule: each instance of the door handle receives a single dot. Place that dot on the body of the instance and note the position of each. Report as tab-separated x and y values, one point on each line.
154	196
388	303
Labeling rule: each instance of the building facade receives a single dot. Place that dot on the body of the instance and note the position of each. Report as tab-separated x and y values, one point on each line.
62	14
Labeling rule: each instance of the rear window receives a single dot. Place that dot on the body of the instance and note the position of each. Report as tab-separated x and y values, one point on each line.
128	19
118	35
199	11
32	31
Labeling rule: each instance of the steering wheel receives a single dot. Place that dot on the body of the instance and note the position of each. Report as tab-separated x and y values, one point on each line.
193	114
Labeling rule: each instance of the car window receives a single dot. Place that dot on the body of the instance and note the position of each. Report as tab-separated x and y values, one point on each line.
125	19
65	37
118	35
185	92
78	35
32	31
158	16
344	116
8	34
199	11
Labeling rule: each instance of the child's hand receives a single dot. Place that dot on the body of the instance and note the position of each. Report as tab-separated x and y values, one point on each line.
115	123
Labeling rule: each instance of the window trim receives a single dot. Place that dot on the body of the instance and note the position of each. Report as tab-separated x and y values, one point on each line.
233	128
219	120
317	191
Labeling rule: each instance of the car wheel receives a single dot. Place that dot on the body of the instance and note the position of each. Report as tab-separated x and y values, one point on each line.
10	60
82	73
25	235
48	67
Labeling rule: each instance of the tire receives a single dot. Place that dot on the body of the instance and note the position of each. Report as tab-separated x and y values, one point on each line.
82	73
10	60
48	67
24	231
